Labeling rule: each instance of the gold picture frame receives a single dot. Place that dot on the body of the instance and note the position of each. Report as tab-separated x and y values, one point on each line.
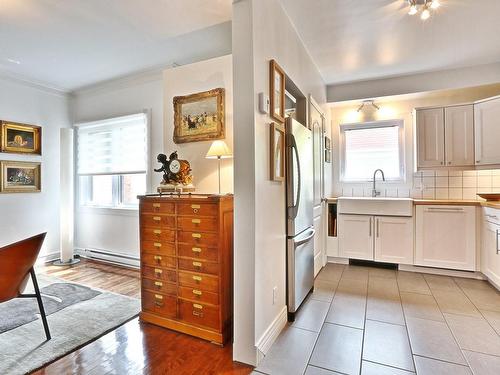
277	91
199	117
277	152
20	138
20	177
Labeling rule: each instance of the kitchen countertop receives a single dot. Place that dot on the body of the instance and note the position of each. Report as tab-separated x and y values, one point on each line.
445	202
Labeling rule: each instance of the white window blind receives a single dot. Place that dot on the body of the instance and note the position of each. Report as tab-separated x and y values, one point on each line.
113	146
367	148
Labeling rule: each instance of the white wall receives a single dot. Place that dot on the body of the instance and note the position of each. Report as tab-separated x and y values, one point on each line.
118	231
260	231
27	214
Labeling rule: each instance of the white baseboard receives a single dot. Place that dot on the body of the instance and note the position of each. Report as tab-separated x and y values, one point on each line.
271	334
47	258
338	260
109	257
442	271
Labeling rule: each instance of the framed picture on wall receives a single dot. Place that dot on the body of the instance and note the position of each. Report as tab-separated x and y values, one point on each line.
20	138
20	177
199	117
277	91
277	152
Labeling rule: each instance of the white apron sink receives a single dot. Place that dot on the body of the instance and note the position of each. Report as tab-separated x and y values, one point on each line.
375	206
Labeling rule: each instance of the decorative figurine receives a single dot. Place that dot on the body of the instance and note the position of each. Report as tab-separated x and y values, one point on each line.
176	174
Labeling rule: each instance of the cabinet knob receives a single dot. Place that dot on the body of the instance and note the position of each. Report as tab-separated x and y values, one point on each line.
449	163
478	161
442	163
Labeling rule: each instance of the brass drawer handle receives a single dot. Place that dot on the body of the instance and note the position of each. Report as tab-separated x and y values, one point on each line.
157	244
198	313
158	296
197	278
156	205
157	258
158	300
197	292
196	250
157	231
196	221
159	284
193	206
196	235
156	218
158	271
197	306
197	264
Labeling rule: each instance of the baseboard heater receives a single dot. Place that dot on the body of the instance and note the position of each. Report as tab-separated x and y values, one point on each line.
109	257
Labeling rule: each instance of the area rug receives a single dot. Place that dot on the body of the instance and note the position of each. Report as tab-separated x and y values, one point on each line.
73	321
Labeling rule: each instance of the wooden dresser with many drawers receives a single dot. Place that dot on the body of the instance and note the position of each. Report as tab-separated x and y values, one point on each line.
187	263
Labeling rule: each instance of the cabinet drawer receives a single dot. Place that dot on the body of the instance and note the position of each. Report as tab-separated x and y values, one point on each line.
160	304
202	224
158	247
161	287
198	295
158	234
199	314
158	207
198	238
198	252
157	273
198	266
199	281
158	260
197	209
157	221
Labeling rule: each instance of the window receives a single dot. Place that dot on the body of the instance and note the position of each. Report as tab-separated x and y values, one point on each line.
369	146
112	161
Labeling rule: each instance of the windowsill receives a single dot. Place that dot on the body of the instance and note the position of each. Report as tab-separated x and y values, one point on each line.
104	210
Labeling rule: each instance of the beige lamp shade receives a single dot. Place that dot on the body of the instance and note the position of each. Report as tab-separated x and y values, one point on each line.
219	150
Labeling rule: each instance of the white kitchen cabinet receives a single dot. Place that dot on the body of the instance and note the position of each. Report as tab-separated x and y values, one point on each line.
459	136
430	137
487	132
490	245
394	239
446	237
355	234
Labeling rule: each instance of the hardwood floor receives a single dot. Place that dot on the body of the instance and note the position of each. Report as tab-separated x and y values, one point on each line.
136	347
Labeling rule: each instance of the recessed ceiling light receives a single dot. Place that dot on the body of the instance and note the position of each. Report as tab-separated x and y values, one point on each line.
17	62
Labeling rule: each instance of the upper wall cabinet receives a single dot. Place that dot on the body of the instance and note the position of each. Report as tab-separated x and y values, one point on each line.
487	132
445	137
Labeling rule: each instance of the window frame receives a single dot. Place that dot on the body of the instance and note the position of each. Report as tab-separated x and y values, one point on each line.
372	125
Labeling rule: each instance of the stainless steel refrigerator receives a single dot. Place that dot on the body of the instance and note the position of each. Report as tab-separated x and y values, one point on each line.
300	230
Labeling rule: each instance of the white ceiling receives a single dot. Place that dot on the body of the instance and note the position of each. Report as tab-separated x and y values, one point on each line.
352	40
68	44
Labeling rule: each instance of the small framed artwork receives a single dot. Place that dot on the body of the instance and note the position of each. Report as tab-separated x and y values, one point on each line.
328	156
277	153
20	177
328	143
277	91
199	117
21	138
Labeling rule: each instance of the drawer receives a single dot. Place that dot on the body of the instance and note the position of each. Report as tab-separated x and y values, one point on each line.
158	234
161	287
160	304
199	314
197	209
198	238
157	221
157	273
197	295
199	281
195	224
198	252
158	260
198	266
158	207
158	247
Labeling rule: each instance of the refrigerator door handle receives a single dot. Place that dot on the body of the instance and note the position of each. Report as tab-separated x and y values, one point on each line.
304	240
293	210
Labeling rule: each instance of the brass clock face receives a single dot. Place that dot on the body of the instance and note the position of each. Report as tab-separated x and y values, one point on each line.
175	166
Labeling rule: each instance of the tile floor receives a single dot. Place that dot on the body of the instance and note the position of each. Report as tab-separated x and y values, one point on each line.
372	321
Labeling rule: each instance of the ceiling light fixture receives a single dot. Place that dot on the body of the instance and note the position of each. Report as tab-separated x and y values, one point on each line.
368	102
422	6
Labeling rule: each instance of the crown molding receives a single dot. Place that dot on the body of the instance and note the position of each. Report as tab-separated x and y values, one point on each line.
35	84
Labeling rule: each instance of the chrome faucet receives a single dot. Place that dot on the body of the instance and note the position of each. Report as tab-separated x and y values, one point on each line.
376	193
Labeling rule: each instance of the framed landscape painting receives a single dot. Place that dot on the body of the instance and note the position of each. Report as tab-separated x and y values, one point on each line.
21	138
199	117
20	177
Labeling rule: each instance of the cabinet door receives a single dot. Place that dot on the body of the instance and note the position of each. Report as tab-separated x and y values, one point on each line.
430	137
356	236
459	135
394	239
446	237
319	239
490	251
487	132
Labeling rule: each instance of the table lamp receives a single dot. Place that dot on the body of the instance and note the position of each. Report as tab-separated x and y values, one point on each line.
219	150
